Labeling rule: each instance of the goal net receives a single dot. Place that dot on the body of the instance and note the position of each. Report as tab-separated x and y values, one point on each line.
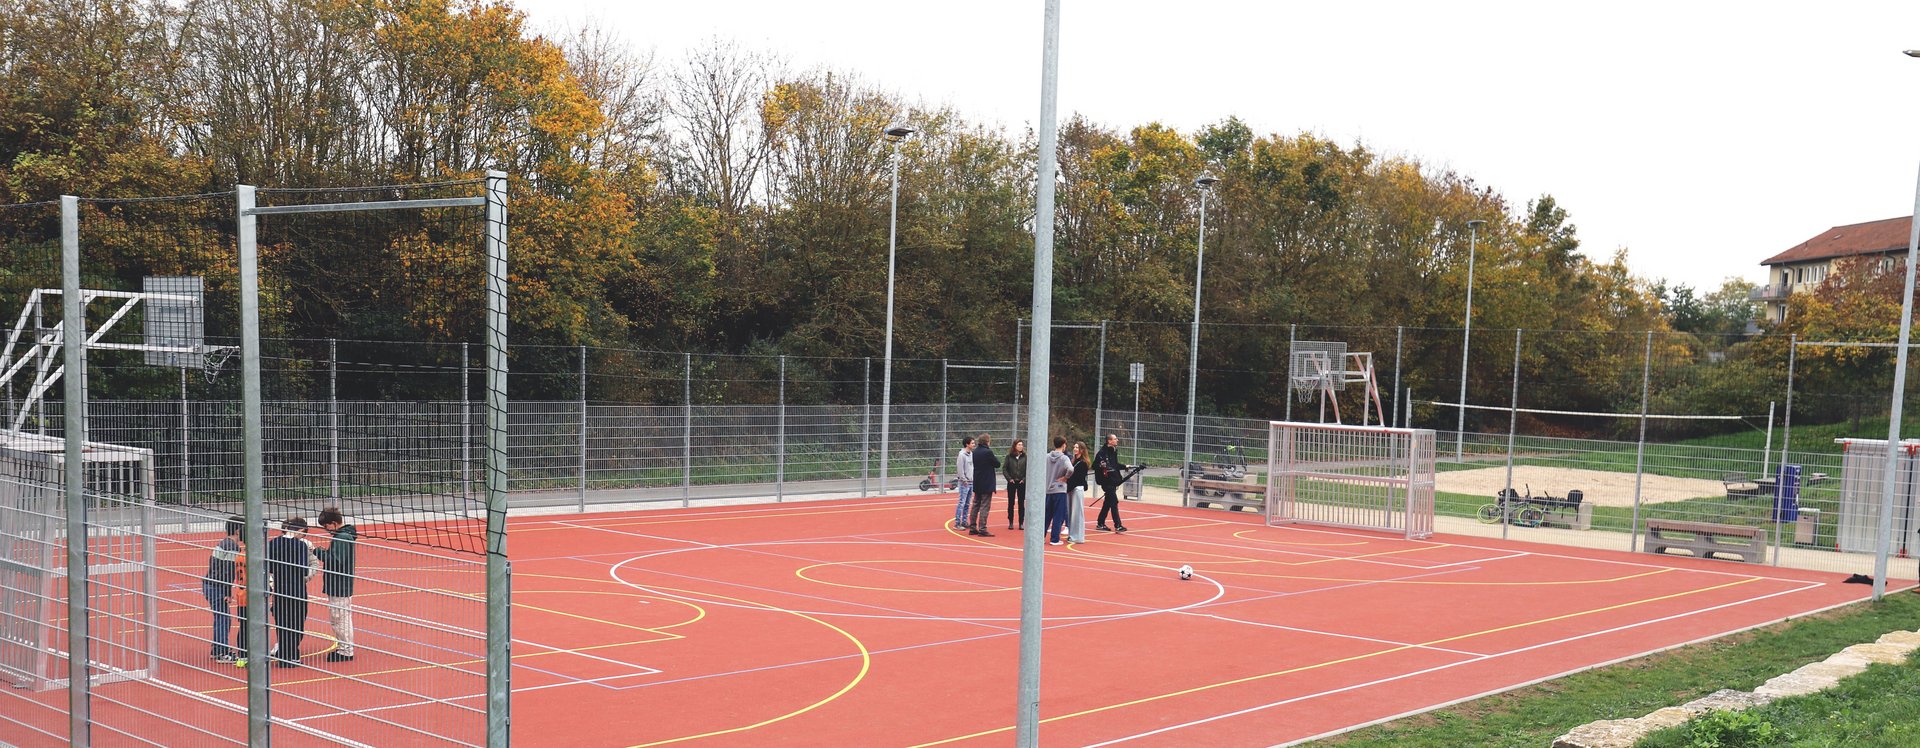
1360	477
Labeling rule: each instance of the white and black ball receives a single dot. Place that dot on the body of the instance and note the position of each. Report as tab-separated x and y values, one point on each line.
1186	572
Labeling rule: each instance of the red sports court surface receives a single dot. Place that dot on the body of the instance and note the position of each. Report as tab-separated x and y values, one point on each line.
872	623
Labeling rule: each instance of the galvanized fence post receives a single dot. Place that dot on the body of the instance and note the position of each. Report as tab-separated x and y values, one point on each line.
1398	335
333	419
73	423
780	440
1513	427
1640	449
583	429
866	421
686	439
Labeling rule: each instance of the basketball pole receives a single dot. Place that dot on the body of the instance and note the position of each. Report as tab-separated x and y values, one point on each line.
1899	403
1027	707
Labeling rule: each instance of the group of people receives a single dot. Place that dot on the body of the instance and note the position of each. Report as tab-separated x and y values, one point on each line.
292	560
1066	471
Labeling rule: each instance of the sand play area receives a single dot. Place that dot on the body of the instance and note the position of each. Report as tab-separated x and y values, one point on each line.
1602	487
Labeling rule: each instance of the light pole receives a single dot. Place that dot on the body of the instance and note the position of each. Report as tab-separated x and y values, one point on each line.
1466	340
896	134
1899	400
1205	185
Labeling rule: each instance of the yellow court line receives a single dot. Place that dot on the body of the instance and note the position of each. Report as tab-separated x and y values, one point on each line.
802	573
866	665
1340	661
1241	535
698	612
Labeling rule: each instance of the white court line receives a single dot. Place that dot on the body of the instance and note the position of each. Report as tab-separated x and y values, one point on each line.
770	509
1475	659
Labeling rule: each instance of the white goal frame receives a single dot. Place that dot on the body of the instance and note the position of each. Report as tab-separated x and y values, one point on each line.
1356	477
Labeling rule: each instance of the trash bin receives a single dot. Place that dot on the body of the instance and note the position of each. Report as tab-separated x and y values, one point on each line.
1133	486
1806	529
1786	494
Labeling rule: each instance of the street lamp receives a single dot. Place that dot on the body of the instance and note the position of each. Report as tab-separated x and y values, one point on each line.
1205	185
896	134
1899	400
1466	339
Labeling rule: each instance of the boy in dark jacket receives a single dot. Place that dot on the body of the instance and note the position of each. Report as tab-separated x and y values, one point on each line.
217	587
290	564
336	581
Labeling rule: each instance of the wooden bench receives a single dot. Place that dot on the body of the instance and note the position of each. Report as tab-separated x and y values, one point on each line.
1572	511
1706	539
1740	486
1233	496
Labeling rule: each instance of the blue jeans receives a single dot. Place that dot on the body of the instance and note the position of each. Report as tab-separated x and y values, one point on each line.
222	621
1056	515
960	510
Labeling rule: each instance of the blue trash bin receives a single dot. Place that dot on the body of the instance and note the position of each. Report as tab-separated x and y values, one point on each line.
1786	494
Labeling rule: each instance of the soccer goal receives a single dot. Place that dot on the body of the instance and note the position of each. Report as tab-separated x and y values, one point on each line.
1360	477
122	589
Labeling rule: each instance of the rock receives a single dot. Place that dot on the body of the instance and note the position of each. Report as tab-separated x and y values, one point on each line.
1908	639
1611	733
1794	684
1724	700
1891	654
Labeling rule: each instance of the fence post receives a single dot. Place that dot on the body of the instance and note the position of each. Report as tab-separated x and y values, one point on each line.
940	442
73	423
333	418
499	663
1289	413
252	471
1019	323
866	420
686	440
466	425
1786	435
1513	426
1099	394
1640	451
583	429
780	440
186	444
1398	333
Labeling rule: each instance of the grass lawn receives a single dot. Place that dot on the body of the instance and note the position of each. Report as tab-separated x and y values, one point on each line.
1533	716
1880	707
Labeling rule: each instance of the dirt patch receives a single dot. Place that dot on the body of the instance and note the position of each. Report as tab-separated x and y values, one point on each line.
1602	487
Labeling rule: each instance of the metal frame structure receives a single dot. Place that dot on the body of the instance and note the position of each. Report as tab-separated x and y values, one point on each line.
1357	477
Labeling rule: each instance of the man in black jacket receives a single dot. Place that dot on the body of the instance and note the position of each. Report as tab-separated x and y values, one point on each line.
1107	471
336	581
290	564
986	472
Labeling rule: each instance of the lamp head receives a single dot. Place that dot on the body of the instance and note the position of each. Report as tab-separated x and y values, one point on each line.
1205	181
1913	53
899	131
1476	223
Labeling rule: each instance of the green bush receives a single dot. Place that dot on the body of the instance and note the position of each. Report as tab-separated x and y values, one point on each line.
1741	729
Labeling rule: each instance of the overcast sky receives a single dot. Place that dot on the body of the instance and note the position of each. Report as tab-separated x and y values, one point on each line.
1702	137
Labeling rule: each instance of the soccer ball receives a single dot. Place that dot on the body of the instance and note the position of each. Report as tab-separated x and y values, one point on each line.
1186	572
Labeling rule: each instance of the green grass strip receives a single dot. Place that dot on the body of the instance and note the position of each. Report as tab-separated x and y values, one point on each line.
1880	707
1533	716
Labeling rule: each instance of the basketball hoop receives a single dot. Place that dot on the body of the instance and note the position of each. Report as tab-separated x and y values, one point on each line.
215	357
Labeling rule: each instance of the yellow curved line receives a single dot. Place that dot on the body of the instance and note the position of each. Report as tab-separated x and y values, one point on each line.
802	573
866	665
1242	535
1343	660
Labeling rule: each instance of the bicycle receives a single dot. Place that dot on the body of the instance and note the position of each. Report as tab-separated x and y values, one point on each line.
1519	510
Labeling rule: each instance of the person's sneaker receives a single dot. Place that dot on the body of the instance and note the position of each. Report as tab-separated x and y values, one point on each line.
1119	528
337	657
224	658
1053	542
1101	528
985	534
